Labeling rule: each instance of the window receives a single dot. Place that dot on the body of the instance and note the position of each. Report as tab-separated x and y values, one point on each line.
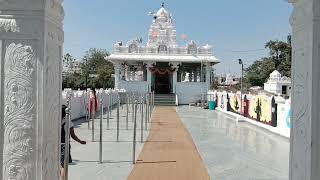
133	48
284	90
162	49
192	49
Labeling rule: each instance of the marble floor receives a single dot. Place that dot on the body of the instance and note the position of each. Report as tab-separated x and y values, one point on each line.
230	150
236	151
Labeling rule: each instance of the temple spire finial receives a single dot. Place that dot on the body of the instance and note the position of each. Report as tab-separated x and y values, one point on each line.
162	4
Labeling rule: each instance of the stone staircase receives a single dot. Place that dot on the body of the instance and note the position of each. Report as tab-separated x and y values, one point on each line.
165	100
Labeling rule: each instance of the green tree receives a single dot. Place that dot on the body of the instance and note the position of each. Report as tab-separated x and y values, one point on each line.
259	71
94	63
279	59
68	62
281	53
68	79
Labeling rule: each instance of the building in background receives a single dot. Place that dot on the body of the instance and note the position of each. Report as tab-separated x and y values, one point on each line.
227	80
162	65
278	84
74	67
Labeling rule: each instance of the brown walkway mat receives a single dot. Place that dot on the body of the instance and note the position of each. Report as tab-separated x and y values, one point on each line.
170	153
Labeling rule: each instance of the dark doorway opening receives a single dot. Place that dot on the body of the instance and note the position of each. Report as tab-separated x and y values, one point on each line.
284	90
162	83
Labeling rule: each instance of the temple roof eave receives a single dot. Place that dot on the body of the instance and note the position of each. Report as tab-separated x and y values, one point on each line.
162	58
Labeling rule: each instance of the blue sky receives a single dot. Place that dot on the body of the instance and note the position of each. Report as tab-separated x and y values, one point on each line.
229	25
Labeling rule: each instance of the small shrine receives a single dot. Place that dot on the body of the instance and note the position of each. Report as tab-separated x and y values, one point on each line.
278	84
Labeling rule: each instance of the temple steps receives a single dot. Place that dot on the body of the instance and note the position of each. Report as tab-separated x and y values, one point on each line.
165	99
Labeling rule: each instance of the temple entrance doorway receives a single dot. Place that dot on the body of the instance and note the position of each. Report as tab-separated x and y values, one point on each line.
162	78
162	83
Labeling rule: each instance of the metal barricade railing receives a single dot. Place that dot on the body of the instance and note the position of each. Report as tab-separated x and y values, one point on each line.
108	113
141	105
132	104
93	117
118	118
134	133
67	139
100	139
127	116
146	111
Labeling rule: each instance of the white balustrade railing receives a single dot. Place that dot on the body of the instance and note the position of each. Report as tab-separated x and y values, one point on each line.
79	100
170	51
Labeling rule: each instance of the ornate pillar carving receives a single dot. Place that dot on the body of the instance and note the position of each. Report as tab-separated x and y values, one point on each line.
175	66
208	75
194	76
190	75
31	40
132	75
117	67
122	72
127	73
198	75
149	65
305	137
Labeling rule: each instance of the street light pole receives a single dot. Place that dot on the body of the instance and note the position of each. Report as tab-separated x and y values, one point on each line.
86	73
241	63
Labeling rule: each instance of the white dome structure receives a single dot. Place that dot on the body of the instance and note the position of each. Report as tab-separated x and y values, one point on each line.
275	76
162	12
278	84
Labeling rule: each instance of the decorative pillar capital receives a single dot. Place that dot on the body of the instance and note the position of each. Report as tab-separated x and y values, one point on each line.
175	65
149	64
116	64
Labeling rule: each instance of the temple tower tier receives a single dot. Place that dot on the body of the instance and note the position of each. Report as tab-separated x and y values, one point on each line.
162	65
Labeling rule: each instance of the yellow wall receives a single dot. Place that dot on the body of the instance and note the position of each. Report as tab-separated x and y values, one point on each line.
266	114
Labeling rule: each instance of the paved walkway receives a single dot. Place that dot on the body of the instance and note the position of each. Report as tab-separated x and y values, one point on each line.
117	156
170	153
236	151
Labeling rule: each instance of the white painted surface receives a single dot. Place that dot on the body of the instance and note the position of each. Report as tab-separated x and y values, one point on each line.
79	100
31	37
135	86
275	83
305	141
191	92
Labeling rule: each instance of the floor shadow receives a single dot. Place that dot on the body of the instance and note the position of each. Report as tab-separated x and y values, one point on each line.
137	141
153	162
75	162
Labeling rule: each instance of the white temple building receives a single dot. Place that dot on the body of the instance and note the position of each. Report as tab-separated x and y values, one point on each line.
227	80
277	84
162	65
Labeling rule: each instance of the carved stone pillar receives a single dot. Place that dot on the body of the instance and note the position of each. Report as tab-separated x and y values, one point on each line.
208	75
198	75
174	76
133	75
127	73
122	72
149	78
194	76
31	38
305	136
190	76
116	66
